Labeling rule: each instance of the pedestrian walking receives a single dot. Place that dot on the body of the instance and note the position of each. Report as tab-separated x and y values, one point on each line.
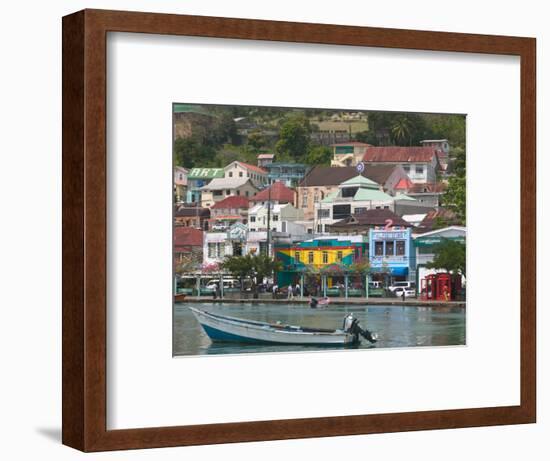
290	293
297	289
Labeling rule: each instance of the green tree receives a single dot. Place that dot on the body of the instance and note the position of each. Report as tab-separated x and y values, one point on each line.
294	139
454	197
401	129
318	155
255	266
189	152
264	266
256	141
450	255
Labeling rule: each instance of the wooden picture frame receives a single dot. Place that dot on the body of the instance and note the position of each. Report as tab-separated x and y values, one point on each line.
85	222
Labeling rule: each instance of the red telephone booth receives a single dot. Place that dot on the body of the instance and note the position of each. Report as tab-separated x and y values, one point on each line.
427	286
440	287
443	287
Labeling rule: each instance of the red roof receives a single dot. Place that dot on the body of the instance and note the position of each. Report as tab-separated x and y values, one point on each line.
399	154
253	167
404	184
279	193
234	201
187	236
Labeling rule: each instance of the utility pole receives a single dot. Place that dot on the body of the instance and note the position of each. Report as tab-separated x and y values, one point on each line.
269	222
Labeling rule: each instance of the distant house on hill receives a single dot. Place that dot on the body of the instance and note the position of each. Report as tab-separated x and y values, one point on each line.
220	188
229	211
265	159
420	163
442	145
241	170
180	183
276	193
323	180
348	153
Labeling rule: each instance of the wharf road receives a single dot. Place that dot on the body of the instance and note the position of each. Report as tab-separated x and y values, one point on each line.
393	302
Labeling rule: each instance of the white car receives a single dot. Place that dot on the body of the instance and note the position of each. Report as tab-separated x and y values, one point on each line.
409	292
231	283
407	285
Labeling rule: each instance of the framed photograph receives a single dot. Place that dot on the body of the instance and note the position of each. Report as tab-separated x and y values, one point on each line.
279	230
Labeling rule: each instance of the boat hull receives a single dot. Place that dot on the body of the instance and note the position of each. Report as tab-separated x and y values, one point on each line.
221	328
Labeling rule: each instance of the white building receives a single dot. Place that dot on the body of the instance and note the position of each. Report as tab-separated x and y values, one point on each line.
240	170
220	188
283	218
353	196
239	241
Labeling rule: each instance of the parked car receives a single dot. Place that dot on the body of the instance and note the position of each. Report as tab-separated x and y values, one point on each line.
396	285
227	283
409	292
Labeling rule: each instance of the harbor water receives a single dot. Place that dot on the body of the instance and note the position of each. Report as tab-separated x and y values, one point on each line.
396	326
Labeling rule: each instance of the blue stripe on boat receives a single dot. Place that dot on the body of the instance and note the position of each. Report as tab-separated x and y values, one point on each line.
220	335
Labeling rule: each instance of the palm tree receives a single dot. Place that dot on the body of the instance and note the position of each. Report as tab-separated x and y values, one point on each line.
401	129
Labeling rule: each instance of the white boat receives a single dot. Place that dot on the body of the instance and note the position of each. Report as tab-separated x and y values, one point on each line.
224	328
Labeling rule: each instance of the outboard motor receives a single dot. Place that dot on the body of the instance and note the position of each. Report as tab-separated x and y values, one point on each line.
352	326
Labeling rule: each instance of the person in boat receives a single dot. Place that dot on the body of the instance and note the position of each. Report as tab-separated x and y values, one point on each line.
351	325
313	303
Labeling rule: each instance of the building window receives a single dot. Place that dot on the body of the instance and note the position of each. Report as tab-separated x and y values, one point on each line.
419	169
341	211
339	256
323	213
390	248
212	250
325	257
310	257
252	218
230	174
297	256
400	248
275	217
407	168
228	192
378	248
217	193
240	174
246	193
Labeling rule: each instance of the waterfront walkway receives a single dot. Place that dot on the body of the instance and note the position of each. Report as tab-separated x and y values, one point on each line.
396	302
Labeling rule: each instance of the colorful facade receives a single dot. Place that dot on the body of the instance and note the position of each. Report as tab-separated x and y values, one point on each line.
315	254
392	253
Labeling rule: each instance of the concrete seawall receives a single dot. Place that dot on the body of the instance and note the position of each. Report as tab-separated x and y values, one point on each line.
394	302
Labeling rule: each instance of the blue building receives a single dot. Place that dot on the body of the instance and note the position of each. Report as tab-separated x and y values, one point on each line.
392	255
289	174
